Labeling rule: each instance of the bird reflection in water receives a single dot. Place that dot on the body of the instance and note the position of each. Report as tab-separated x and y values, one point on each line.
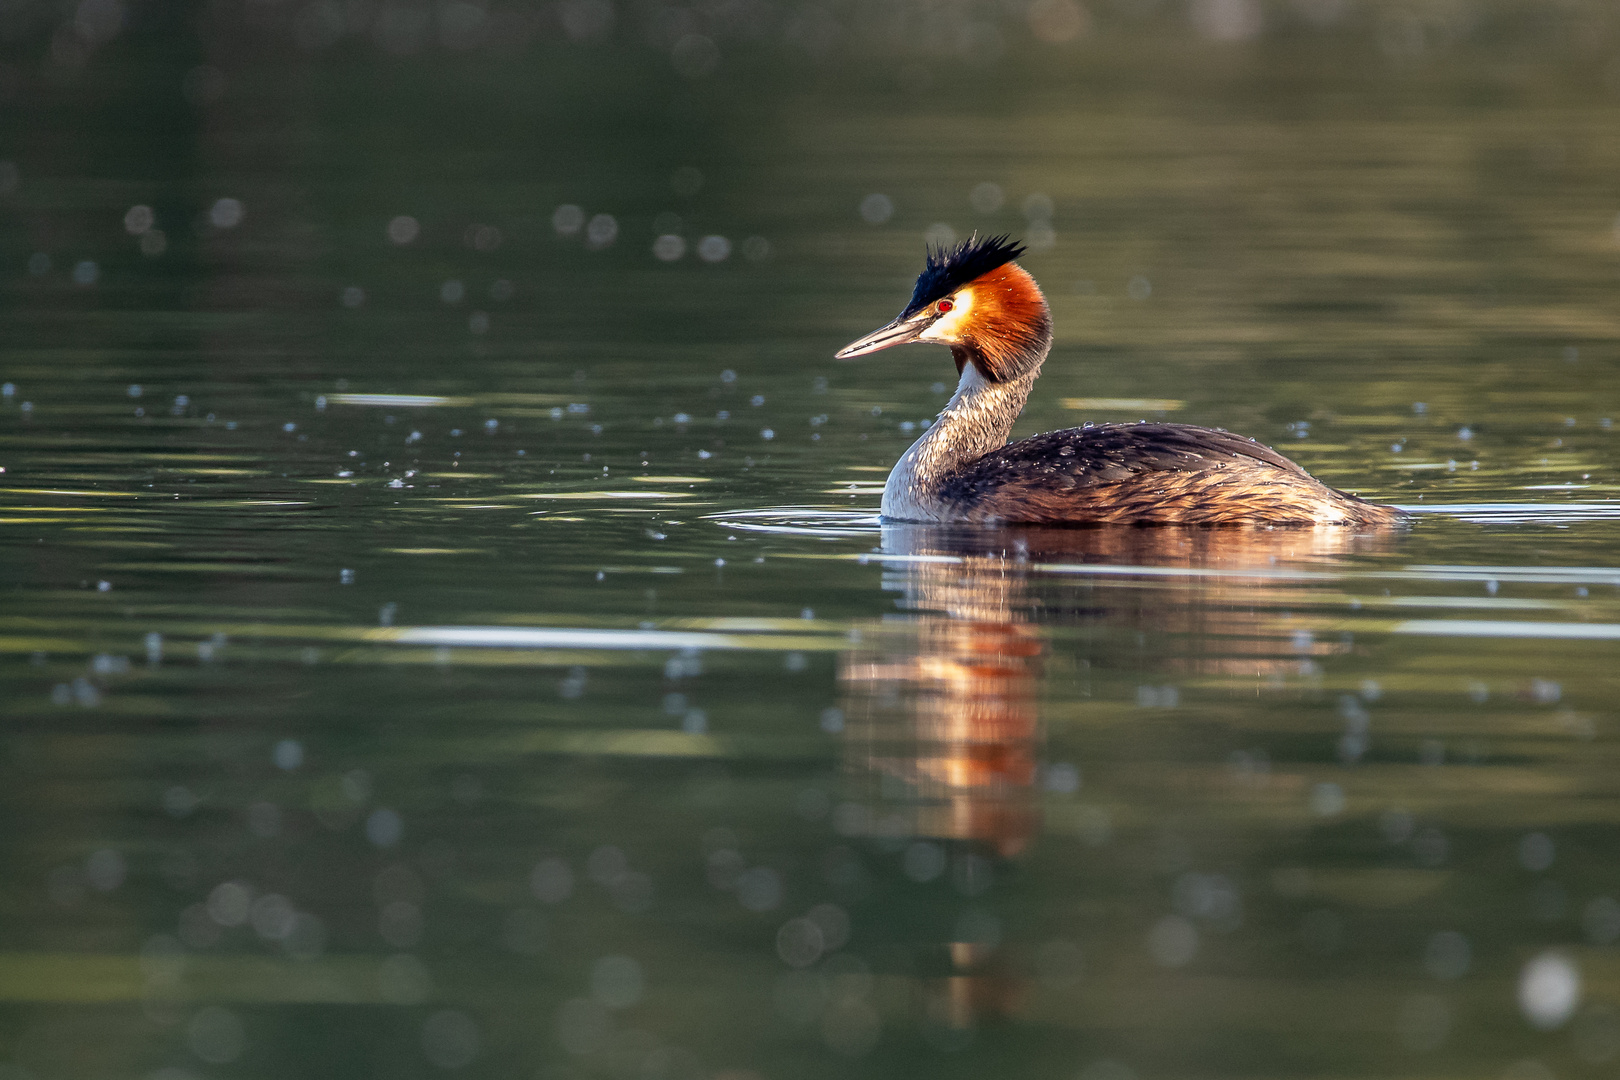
942	734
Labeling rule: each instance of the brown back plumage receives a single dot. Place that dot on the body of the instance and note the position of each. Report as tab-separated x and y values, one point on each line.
1159	474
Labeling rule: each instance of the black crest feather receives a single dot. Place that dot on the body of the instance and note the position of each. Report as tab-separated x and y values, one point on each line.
949	268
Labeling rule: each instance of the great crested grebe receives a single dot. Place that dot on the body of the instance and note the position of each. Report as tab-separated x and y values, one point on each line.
975	299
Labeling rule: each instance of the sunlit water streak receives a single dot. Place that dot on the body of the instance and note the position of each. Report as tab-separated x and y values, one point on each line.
509	637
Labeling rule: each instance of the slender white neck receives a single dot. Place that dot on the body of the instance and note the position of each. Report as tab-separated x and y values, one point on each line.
977	420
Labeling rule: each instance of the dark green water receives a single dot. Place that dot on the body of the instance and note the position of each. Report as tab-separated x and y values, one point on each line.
464	647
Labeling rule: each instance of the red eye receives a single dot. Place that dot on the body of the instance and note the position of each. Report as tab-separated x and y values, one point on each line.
944	306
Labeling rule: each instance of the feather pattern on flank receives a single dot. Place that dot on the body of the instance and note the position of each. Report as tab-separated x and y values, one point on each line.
1150	474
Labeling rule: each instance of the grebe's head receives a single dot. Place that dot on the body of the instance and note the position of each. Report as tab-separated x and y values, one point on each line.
974	298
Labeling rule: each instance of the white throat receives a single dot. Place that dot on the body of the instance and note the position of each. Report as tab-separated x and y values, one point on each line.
976	420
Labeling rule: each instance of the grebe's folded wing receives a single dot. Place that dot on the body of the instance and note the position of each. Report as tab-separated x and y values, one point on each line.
1109	453
1164	473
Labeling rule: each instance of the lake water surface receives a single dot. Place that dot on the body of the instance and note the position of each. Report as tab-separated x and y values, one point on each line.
442	636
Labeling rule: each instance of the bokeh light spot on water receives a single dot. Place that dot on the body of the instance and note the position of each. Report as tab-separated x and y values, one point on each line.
86	272
939	235
1536	852
105	870
799	943
923	861
179	800
1227	20
833	921
483	238
759	889
632	892
384	827
668	248
139	219
1038	206
1447	955
403	229
450	1039
714	249
403	980
216	1035
723	866
606	864
197	929
307	938
1173	941
601	231
271	916
1060	778
353	296
1327	799
987	197
226	213
568	219
1059	21
452	291
1549	990
1158	697
1211	898
288	755
1600	920
228	903
876	209
1431	847
583	1026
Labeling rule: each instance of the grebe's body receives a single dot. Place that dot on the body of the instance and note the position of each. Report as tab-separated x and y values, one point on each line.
993	316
